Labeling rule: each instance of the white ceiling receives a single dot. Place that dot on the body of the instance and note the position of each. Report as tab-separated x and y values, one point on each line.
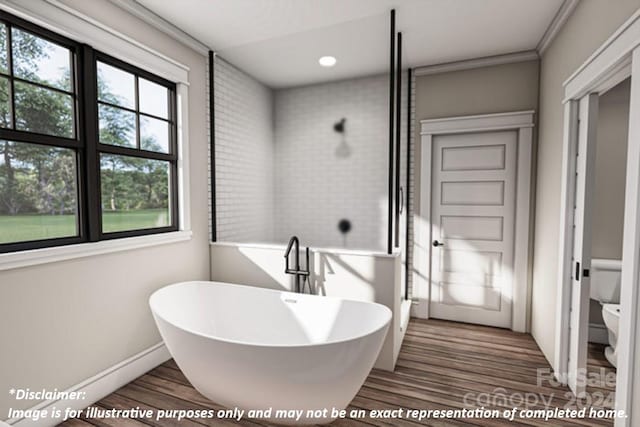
279	41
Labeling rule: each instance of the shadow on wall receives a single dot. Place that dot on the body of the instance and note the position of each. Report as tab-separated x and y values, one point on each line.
261	266
343	150
330	265
364	276
354	275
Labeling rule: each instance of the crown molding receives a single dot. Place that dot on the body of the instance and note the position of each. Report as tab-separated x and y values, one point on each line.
158	22
468	64
558	21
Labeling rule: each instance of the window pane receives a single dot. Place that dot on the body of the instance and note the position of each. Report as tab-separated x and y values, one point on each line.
117	126
43	110
135	193
154	98
39	60
3	49
5	103
38	192
116	86
154	134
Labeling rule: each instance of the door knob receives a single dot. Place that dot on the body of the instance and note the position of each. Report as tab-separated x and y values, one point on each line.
436	243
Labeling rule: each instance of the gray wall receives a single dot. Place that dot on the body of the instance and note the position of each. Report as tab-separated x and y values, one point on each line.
588	27
64	322
494	89
611	170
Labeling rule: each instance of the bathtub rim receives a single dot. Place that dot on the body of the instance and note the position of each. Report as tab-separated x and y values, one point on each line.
386	324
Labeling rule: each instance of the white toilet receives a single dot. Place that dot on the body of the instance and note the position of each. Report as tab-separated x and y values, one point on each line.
605	288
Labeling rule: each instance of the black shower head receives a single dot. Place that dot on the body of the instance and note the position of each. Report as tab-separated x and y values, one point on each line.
339	126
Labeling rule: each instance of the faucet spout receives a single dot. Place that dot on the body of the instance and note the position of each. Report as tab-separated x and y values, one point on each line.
297	272
293	241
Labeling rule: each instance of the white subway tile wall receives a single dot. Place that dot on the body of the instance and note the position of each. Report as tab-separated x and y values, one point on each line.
323	176
244	152
411	189
281	169
404	211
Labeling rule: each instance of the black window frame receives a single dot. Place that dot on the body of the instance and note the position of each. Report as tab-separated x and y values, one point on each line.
171	157
86	138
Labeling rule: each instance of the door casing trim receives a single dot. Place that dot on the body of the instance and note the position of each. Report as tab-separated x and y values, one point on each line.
616	59
523	123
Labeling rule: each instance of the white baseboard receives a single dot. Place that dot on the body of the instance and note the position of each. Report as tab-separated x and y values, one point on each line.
405	315
598	334
101	385
420	308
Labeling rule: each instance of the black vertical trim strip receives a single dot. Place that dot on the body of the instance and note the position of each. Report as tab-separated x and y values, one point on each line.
90	136
398	135
174	200
136	95
12	87
392	54
408	177
77	76
75	89
212	143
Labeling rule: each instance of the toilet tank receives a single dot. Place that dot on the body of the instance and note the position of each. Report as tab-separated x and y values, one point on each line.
605	280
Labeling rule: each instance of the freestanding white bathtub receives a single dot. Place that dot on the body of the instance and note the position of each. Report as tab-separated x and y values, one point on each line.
254	348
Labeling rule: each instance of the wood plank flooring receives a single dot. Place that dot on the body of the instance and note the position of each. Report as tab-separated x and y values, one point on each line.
442	365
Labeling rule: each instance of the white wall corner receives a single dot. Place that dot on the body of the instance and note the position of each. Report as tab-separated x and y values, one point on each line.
161	24
558	21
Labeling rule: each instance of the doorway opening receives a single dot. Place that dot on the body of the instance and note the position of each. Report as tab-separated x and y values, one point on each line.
607	231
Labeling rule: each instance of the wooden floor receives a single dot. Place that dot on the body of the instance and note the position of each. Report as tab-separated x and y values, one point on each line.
440	363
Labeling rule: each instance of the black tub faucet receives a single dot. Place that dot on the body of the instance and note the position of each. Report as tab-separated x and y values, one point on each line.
294	243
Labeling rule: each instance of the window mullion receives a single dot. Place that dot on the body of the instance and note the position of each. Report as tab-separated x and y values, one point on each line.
89	87
137	106
38	138
74	80
12	96
132	152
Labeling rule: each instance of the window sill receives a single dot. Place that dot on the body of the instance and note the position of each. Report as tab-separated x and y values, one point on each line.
21	259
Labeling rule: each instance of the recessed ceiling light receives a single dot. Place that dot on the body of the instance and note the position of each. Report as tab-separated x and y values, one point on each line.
327	61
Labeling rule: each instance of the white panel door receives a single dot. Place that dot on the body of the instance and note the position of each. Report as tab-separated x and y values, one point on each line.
580	283
473	219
